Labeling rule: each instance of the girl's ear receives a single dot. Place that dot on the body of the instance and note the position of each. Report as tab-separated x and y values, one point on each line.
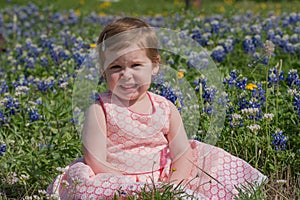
156	66
104	75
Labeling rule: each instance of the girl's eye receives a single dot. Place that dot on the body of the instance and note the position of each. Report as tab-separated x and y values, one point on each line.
115	67
136	65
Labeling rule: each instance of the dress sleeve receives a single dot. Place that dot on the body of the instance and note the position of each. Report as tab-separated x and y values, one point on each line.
94	141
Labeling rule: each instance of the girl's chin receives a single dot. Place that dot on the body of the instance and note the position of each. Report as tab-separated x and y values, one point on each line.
127	97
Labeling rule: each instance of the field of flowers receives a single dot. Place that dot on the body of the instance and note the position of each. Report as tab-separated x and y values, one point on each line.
258	57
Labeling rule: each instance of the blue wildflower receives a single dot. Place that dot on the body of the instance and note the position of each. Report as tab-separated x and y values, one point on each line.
248	45
279	140
200	84
3	87
241	84
274	77
163	89
293	78
3	120
231	79
34	115
218	54
215	26
11	104
297	104
2	149
45	85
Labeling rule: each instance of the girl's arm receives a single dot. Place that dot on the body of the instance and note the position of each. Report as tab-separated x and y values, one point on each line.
180	150
94	141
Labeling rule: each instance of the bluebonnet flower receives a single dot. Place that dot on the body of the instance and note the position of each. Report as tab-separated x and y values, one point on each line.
44	61
29	62
228	45
274	77
215	26
2	149
199	61
248	45
95	96
45	42
297	103
34	115
259	93
257	41
255	28
196	35
38	101
79	58
271	35
218	53
294	38
3	120
235	120
3	87
209	95
293	78
11	104
290	48
165	90
46	84
200	84
279	140
241	83
43	146
294	18
231	79
78	112
252	107
208	99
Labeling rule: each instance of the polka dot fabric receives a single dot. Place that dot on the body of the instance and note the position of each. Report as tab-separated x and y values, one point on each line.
137	146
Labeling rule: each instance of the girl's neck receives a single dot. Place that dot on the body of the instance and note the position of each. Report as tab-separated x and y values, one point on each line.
141	105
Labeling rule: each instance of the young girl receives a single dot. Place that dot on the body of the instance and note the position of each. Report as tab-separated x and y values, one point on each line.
132	136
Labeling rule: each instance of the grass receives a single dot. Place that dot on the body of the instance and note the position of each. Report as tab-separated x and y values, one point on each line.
164	7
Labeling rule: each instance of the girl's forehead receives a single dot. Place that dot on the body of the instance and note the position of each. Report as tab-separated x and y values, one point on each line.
133	52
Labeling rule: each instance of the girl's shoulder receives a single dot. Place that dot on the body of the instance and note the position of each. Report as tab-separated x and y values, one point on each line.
160	100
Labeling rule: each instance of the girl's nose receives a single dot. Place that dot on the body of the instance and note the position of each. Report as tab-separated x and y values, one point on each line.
127	73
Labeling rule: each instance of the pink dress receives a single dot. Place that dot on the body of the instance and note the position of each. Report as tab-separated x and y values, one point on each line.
137	146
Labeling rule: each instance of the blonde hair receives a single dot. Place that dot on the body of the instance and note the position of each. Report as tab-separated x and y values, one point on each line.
128	31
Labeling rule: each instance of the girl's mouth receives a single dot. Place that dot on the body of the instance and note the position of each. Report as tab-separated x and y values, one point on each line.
128	87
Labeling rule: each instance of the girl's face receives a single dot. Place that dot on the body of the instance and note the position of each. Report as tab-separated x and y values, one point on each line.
129	76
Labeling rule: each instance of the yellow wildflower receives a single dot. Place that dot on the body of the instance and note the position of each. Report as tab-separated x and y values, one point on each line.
277	12
81	2
77	12
263	6
278	5
93	45
229	2
221	8
180	74
101	14
104	5
251	86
